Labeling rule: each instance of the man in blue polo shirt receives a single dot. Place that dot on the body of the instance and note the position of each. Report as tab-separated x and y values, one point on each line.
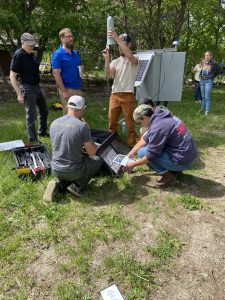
66	63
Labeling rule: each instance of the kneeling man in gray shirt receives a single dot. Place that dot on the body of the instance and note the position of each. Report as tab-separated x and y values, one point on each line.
73	152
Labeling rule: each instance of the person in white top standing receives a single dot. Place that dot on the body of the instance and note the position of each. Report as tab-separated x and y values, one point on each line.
123	70
197	94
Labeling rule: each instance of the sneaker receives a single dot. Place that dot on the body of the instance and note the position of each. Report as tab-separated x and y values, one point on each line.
44	134
74	189
168	179
201	111
51	191
206	112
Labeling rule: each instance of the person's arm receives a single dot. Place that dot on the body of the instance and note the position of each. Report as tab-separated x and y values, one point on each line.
14	81
136	147
89	145
59	82
196	68
90	148
133	164
137	162
218	69
109	70
125	49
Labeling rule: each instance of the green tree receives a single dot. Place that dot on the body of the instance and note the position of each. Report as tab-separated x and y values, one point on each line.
42	18
199	25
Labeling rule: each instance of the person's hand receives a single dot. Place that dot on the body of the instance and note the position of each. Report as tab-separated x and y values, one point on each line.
81	70
20	98
66	95
112	34
130	155
129	167
105	53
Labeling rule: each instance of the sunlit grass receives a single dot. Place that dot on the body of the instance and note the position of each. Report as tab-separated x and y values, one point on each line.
104	219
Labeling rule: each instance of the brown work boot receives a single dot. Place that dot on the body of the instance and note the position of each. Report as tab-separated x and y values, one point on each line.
167	179
178	173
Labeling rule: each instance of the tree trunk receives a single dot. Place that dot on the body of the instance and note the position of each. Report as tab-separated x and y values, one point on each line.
7	85
125	23
157	26
180	20
188	36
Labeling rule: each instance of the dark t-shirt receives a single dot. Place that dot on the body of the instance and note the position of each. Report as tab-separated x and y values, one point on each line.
26	66
68	135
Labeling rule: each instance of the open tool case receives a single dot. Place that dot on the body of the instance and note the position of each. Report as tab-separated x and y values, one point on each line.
34	160
110	145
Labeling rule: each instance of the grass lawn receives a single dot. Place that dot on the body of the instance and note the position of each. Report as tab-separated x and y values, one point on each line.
154	244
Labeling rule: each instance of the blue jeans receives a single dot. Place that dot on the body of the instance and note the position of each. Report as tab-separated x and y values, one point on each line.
198	94
163	163
34	99
206	87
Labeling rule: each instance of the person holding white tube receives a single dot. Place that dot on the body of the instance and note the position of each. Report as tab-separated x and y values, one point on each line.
123	70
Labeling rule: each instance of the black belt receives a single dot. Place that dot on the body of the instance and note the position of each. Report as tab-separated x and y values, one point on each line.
205	78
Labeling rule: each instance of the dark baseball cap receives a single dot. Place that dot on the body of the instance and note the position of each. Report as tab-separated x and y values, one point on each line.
145	100
126	38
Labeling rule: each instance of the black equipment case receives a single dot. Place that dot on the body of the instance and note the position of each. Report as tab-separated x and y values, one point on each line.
111	145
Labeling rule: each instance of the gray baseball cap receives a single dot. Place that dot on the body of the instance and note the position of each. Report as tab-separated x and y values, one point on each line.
29	38
141	111
76	102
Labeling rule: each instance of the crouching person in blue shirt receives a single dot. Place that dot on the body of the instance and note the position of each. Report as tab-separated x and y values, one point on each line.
167	147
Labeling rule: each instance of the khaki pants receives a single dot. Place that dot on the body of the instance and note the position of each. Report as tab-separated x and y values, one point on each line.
72	92
122	102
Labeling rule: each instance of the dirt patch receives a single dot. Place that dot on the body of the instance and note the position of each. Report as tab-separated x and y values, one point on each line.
44	273
198	272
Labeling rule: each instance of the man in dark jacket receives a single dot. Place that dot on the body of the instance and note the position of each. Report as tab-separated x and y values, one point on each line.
167	148
25	79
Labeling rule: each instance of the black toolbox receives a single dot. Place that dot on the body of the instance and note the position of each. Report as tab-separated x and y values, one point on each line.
34	160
